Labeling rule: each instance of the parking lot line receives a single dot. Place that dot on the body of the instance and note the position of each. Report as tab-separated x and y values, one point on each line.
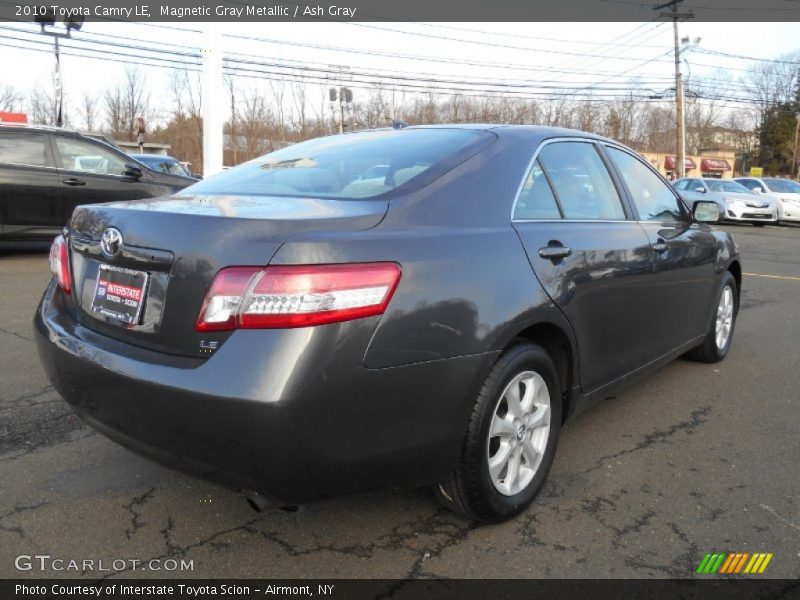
789	277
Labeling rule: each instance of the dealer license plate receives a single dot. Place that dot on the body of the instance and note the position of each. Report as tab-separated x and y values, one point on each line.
120	294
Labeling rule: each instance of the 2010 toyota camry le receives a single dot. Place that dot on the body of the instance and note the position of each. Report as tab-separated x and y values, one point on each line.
308	324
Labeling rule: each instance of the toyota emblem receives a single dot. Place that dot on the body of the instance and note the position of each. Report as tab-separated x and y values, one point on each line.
111	242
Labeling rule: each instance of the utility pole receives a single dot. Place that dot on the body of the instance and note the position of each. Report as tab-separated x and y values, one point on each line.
233	122
341	111
48	19
213	101
795	165
680	122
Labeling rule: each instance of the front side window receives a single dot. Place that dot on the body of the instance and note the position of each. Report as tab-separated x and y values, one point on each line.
696	185
581	182
24	149
351	166
536	199
726	185
170	167
752	184
79	155
653	198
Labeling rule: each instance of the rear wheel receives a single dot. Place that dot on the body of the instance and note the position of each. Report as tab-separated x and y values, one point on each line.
511	438
719	338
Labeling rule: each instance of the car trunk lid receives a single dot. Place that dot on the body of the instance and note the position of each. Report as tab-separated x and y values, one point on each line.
179	244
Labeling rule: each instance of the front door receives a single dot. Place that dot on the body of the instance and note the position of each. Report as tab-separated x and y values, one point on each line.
594	262
684	254
91	173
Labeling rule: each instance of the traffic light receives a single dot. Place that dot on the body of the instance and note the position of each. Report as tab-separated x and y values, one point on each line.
74	22
46	18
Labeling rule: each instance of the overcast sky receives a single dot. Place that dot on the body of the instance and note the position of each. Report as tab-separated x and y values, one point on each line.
602	54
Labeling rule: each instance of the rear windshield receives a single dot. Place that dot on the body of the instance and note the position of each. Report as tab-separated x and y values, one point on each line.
721	185
783	186
351	166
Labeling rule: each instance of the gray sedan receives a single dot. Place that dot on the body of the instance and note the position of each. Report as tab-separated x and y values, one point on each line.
736	202
294	331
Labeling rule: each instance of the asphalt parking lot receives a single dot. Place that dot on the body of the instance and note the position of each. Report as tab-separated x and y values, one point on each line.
695	459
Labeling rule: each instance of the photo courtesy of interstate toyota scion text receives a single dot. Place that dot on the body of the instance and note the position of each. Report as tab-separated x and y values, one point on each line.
403	307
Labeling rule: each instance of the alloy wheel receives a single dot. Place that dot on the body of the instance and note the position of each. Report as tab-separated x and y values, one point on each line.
724	317
519	432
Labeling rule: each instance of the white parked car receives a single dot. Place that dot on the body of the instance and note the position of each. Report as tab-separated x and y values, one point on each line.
735	201
785	191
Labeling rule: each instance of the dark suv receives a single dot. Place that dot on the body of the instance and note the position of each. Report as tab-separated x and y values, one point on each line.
46	172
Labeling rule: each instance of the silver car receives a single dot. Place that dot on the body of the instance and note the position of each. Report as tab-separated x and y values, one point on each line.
785	193
736	202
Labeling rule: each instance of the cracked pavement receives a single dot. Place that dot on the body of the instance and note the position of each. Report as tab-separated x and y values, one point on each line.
694	459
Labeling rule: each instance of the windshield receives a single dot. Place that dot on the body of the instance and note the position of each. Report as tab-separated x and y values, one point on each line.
164	165
784	186
353	165
722	185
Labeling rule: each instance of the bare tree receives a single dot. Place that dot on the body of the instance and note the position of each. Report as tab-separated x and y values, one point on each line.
10	99
256	122
299	111
278	89
136	100
43	103
89	111
113	105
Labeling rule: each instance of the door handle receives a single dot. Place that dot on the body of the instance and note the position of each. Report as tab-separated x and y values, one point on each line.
553	252
660	247
73	181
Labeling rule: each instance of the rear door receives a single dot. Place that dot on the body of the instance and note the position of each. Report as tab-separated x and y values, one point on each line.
684	254
592	259
91	172
29	186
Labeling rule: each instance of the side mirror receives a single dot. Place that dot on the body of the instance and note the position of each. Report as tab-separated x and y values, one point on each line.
700	189
706	212
132	172
757	190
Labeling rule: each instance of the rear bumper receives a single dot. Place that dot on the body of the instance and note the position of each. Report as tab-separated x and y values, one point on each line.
290	413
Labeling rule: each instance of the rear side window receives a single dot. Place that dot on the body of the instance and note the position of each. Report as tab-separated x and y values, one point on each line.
682	184
653	198
536	199
581	181
356	165
24	149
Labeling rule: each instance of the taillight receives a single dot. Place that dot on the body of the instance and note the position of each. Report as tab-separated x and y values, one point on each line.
296	296
59	263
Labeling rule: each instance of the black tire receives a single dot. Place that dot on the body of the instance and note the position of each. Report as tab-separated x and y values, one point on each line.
469	491
708	351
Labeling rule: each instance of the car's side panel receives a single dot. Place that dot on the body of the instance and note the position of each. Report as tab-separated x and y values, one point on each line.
29	193
601	287
684	282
